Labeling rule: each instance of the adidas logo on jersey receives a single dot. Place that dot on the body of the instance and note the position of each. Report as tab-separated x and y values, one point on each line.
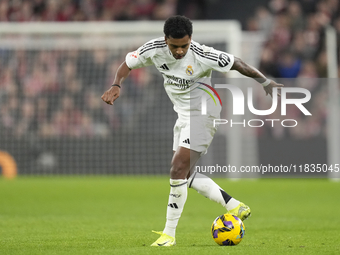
164	66
186	141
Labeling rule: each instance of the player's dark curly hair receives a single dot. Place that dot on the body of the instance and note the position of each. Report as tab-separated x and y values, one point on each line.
177	27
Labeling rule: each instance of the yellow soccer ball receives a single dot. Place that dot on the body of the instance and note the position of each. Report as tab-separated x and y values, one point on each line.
228	230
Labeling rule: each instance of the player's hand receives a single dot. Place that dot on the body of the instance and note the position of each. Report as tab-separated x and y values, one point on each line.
269	89
111	95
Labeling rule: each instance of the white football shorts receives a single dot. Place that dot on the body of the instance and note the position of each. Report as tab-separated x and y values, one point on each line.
194	132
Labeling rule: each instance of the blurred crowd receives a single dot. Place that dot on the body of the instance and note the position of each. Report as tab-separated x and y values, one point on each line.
53	93
42	93
295	50
97	10
296	36
57	93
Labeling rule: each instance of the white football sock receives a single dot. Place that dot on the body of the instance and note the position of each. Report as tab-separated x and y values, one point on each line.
208	188
177	198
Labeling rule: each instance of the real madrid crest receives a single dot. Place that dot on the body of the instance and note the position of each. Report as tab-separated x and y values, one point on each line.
189	70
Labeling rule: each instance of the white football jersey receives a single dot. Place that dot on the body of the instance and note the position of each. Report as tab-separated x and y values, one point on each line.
188	79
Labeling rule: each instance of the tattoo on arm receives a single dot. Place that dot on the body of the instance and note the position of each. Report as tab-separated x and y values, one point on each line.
247	70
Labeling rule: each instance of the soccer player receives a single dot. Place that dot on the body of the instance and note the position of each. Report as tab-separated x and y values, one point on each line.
186	67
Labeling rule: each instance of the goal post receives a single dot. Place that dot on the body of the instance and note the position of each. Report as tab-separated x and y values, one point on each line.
333	117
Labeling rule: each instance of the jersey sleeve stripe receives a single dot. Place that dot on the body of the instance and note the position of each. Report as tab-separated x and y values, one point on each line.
153	44
150	48
201	51
213	58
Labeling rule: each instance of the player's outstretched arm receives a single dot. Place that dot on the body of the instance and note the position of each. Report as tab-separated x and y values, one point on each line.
113	93
252	72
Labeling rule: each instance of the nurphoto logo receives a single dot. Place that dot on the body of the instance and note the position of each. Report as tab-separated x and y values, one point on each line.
239	103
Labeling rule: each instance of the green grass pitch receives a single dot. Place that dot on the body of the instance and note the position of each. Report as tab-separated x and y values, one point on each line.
115	215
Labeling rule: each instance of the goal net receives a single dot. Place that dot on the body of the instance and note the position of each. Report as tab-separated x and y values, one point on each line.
53	120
